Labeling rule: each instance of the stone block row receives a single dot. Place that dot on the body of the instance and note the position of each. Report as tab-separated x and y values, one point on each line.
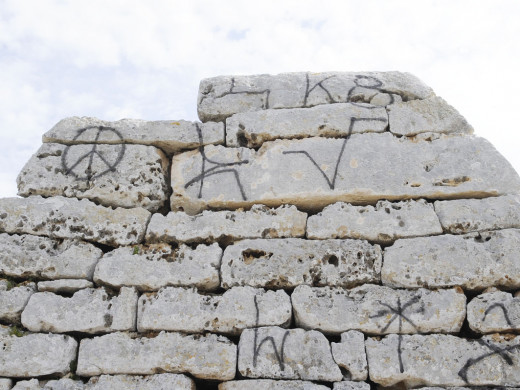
270	384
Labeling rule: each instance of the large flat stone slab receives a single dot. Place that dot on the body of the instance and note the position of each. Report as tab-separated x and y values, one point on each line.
314	172
67	286
148	268
287	263
205	357
13	300
222	96
495	311
349	354
473	261
112	175
227	226
276	353
383	223
135	382
270	384
60	217
169	135
379	310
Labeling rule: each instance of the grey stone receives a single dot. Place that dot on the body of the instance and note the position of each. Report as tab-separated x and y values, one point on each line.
350	385
148	268
227	226
42	257
252	129
287	263
314	172
384	223
112	175
68	286
133	382
170	136
205	357
186	310
60	217
429	115
444	360
350	355
13	300
473	261
277	353
60	384
466	215
371	309
269	384
87	311
222	96
496	311
5	384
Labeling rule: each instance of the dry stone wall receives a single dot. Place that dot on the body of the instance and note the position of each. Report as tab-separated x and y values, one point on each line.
313	231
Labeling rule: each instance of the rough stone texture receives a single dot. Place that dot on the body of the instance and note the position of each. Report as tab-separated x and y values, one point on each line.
277	353
314	172
428	115
13	300
287	263
206	357
170	136
88	311
444	360
495	311
269	384
371	309
466	215
222	96
112	175
473	261
60	217
350	355
5	384
148	268
68	286
350	385
384	223
252	129
151	382
61	384
227	226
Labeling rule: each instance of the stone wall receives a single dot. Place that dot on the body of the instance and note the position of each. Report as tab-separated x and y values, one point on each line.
314	231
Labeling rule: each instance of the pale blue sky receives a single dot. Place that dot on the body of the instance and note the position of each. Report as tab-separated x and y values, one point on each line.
144	59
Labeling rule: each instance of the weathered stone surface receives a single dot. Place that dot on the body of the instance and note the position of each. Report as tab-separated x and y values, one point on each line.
186	310
287	263
210	226
277	353
112	175
428	115
206	357
314	172
371	309
150	382
13	300
60	217
252	129
5	384
35	354
43	257
384	223
473	261
148	268
60	384
466	215
444	360
350	385
496	311
269	384
88	311
222	96
350	355
170	136
67	286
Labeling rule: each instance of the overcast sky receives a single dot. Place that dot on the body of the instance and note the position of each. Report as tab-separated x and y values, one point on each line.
144	59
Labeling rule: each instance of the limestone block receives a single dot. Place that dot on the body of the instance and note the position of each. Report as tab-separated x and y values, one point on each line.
314	172
227	226
60	384
350	385
148	268
170	136
112	175
269	384
67	286
186	310
277	353
222	96
444	360
5	384
350	355
134	382
466	215
429	115
61	217
287	263
13	300
376	309
252	129
88	311
496	311
205	357
36	354
473	261
384	223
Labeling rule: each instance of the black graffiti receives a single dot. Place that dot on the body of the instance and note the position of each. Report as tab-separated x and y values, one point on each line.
504	312
368	82
309	89
266	92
